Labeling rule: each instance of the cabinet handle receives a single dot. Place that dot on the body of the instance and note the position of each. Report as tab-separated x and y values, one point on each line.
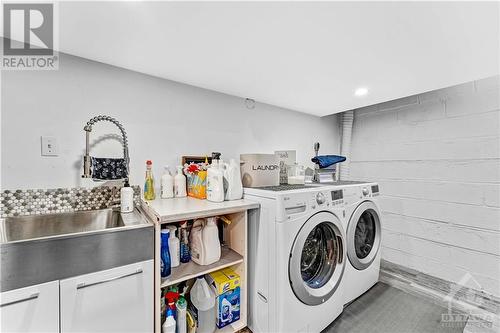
29	298
85	285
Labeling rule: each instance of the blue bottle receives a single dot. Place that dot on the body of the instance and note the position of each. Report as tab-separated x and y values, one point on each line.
165	254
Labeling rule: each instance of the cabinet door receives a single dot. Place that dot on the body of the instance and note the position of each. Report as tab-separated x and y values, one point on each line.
31	309
114	300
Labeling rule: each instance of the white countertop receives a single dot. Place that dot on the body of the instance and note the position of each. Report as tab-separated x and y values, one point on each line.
180	209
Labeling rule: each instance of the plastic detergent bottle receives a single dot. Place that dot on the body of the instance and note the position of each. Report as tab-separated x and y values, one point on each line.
180	183
173	247
165	269
215	180
181	306
167	184
149	184
211	243
232	181
196	242
185	256
203	299
169	324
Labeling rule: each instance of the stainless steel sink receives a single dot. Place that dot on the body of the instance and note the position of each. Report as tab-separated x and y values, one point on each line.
36	226
42	248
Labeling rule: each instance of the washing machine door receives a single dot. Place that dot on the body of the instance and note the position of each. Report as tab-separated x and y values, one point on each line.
317	259
363	235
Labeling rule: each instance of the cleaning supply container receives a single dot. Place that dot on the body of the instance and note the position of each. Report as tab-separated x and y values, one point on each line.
196	242
211	243
180	183
173	247
203	304
165	268
181	306
169	325
204	241
167	184
232	181
184	239
126	198
215	180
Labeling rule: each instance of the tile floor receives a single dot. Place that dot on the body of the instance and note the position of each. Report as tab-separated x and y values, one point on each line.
385	309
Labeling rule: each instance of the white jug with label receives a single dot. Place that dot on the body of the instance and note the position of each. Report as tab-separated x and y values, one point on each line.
204	241
211	243
203	299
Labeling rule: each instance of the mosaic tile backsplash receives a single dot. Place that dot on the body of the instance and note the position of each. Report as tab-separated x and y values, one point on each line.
60	200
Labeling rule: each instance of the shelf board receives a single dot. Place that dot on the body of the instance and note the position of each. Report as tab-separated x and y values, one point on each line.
191	269
180	209
232	328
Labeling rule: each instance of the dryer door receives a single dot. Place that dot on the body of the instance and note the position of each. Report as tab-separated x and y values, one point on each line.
363	235
317	259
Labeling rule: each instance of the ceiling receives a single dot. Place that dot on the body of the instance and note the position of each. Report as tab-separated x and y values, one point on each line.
309	57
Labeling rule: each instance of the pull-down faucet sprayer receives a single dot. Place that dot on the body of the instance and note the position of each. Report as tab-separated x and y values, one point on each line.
88	128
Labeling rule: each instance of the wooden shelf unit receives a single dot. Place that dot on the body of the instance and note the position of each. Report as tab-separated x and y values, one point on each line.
233	253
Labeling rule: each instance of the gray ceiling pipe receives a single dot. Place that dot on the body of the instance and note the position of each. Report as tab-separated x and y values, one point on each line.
347	119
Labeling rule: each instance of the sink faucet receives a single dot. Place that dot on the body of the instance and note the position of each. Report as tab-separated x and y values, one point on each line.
88	129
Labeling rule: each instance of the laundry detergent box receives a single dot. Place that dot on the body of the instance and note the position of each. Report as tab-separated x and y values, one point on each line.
226	285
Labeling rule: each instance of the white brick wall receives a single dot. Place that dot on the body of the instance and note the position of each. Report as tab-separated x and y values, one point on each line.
437	159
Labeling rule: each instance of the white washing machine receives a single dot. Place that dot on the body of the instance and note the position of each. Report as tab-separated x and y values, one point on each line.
297	258
363	231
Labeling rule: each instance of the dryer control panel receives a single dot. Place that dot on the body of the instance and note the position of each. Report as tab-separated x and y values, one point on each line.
354	194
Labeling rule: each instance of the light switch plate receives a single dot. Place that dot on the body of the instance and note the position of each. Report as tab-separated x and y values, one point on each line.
50	146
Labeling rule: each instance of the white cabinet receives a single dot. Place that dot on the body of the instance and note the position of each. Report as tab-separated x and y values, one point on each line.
115	300
31	309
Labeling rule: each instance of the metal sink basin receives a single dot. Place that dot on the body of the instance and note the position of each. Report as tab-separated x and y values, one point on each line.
41	248
37	226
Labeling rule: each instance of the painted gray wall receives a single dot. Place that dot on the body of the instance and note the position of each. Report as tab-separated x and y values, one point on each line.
436	156
164	120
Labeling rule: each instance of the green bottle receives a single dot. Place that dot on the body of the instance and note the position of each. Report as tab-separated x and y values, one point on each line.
149	184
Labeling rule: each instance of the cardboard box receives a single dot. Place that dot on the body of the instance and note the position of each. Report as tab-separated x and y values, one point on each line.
226	285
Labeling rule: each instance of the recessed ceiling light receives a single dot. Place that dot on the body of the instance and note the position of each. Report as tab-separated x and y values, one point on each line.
361	92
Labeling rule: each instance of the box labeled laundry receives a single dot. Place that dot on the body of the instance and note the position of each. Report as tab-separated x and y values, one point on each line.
226	285
259	170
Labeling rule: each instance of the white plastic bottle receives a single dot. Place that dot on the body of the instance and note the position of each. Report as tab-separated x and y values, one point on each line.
196	242
169	324
181	308
174	247
126	198
180	183
167	184
215	182
232	176
203	298
211	243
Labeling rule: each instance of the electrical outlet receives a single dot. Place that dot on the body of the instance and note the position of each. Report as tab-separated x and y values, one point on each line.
49	146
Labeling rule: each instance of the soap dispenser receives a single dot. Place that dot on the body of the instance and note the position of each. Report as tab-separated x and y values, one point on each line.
167	184
126	198
180	183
